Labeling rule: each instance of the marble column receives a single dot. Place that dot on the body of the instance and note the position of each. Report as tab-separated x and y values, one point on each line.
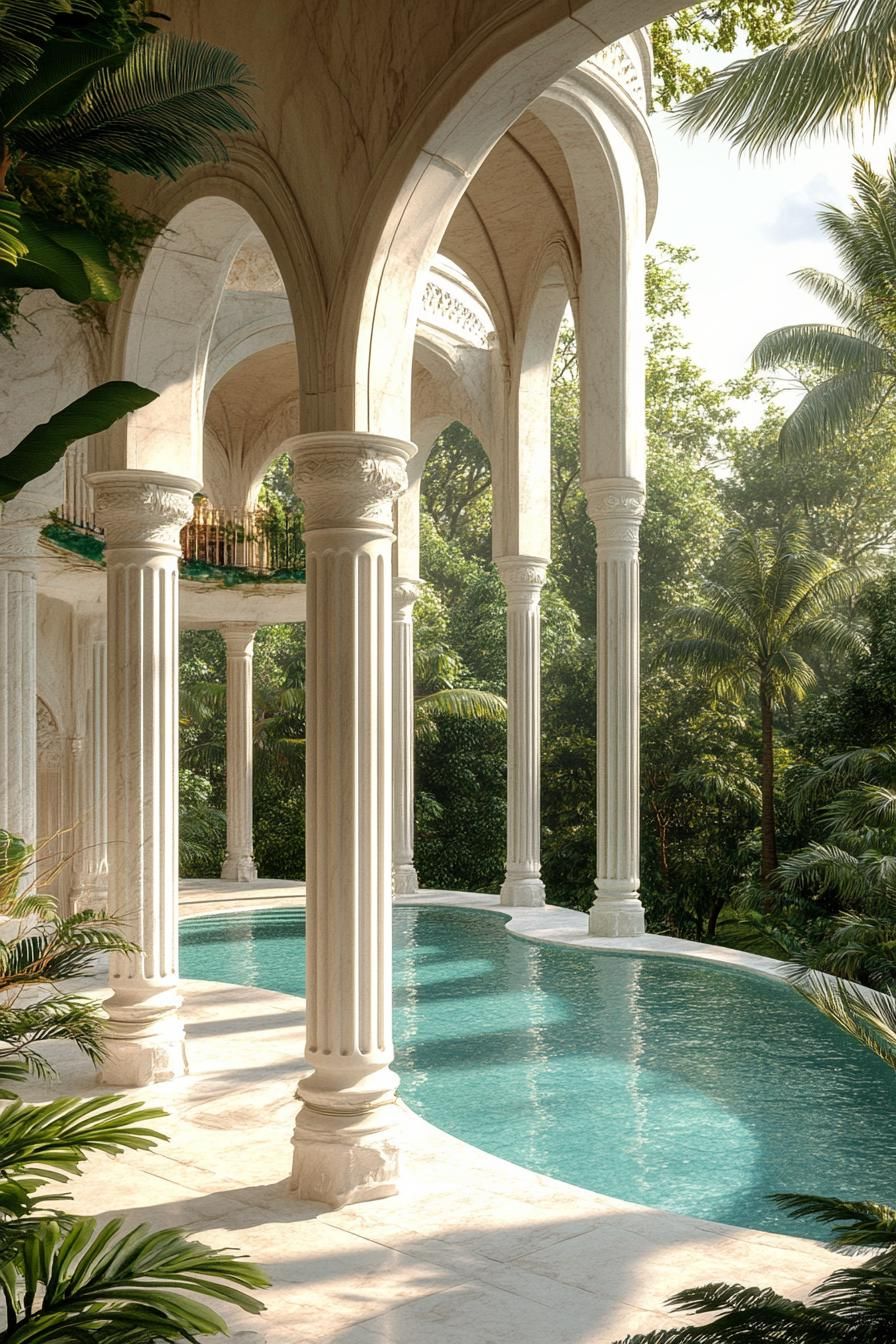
18	678
523	577
142	513
239	865
91	868
616	506
404	594
345	1149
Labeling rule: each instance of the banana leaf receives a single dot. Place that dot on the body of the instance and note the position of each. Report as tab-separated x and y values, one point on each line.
44	446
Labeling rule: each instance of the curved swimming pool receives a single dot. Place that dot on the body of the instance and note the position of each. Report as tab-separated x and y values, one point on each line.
673	1083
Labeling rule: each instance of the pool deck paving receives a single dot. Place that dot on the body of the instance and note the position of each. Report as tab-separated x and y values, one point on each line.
473	1247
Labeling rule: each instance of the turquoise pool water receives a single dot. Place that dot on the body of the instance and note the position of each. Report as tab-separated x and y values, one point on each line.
677	1084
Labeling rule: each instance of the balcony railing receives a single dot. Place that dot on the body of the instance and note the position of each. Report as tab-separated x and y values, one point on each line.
254	541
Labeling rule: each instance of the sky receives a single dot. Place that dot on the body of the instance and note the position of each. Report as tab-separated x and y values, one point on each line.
752	224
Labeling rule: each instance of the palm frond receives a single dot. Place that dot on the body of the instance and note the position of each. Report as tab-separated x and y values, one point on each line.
63	1018
866	807
821	346
140	1285
25	27
461	702
840	65
867	1015
164	109
48	1141
850	304
836	406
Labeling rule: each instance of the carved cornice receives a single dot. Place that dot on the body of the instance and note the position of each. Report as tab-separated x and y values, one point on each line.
141	509
348	480
523	576
404	594
618	63
442	308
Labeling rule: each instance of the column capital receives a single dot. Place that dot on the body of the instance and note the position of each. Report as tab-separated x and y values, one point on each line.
143	508
616	507
18	543
239	637
349	479
404	594
523	576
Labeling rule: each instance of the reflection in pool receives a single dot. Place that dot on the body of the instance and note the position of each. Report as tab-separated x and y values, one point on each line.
672	1083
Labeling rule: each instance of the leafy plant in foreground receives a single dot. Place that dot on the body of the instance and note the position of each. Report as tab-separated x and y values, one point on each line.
66	1279
91	87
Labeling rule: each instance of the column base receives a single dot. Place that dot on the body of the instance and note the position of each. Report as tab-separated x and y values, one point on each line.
239	870
406	882
522	891
345	1159
140	1063
616	918
144	1040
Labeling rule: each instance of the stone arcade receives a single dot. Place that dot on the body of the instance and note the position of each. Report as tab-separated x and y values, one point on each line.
430	187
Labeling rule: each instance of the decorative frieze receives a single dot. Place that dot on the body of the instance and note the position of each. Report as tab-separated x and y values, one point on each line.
444	308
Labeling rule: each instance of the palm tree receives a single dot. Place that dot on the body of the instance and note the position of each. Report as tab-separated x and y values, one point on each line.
858	354
773	599
839	65
437	670
853	795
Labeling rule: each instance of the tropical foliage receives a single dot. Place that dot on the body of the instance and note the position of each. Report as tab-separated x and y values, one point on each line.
64	1279
835	66
773	599
856	360
88	87
41	948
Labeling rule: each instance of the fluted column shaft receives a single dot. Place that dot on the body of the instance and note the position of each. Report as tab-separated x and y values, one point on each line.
142	514
18	679
404	594
91	869
523	578
345	1148
617	507
239	865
